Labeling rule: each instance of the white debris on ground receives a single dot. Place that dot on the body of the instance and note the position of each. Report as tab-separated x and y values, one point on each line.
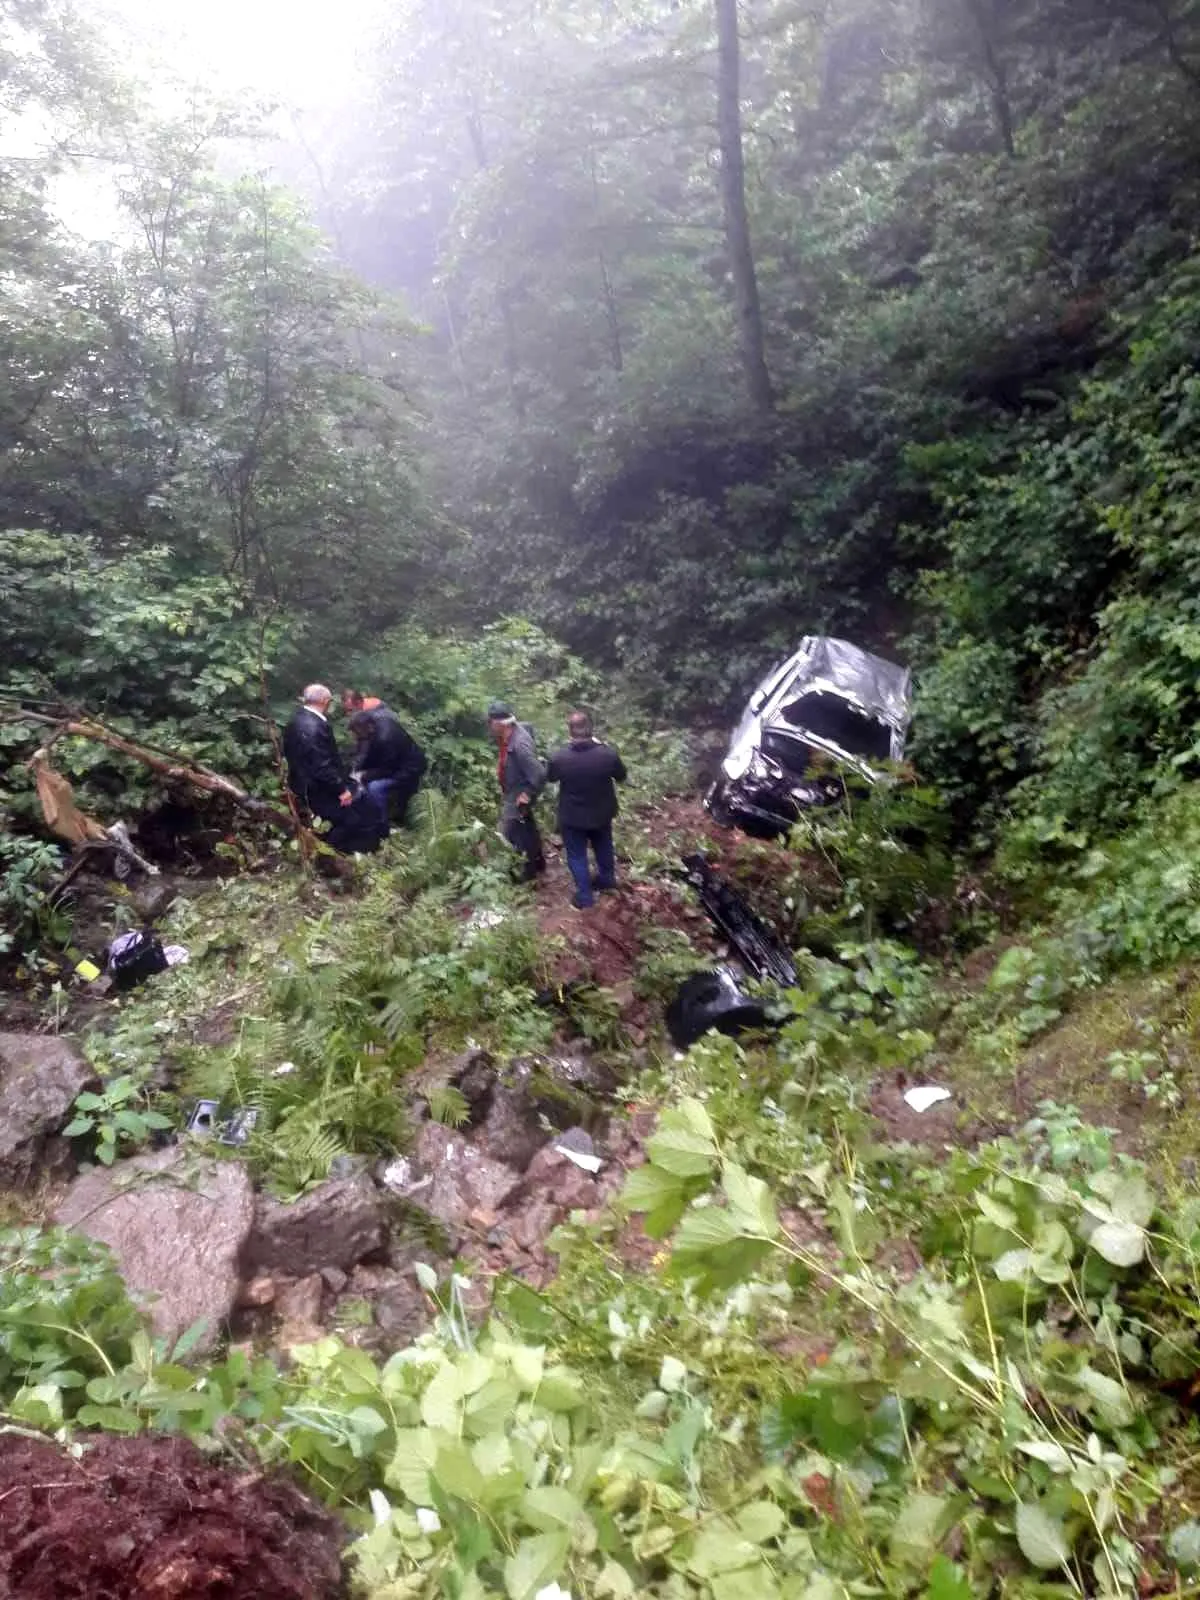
925	1096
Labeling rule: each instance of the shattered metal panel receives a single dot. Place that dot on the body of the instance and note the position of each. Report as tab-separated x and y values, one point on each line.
877	685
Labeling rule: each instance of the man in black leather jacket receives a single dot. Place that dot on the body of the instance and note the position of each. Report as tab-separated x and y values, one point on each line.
388	760
587	772
319	780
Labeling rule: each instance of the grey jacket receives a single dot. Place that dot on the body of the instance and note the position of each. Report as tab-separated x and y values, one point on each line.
523	772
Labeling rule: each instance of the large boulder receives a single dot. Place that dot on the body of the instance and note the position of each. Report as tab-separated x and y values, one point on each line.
337	1224
40	1077
453	1182
512	1131
177	1224
554	1177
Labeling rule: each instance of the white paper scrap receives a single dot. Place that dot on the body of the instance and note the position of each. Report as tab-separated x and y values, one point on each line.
580	1158
927	1095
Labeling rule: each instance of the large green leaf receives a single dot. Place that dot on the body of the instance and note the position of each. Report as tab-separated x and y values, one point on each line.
536	1561
1042	1538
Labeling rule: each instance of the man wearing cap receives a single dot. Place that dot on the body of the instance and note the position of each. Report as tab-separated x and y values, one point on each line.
318	778
521	777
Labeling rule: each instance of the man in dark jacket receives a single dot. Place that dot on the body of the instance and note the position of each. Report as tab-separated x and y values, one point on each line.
319	780
522	777
587	772
388	761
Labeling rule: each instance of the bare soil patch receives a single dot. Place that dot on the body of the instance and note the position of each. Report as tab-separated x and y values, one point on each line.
153	1519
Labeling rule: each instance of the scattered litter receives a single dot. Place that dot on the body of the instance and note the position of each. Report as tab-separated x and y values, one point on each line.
206	1120
283	1069
591	1164
203	1120
763	952
88	971
576	1144
178	955
119	834
133	957
428	1520
398	1176
927	1095
240	1126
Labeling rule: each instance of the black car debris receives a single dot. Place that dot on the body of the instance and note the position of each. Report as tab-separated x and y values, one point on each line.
830	706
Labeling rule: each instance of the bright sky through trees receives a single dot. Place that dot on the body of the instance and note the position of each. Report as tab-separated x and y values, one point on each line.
294	50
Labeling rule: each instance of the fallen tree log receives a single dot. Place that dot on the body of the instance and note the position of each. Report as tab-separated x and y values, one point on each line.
173	767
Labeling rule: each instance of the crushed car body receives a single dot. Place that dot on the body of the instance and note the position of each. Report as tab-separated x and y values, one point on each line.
830	706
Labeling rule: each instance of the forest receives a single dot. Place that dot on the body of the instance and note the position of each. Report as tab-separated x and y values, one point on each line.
594	353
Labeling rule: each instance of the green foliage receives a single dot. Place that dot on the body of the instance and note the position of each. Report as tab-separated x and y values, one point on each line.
861	1365
886	851
28	867
64	1318
444	684
116	1119
1053	1298
1061	648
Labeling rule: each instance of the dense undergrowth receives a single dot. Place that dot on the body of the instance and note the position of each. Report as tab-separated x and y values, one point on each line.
822	1349
849	1366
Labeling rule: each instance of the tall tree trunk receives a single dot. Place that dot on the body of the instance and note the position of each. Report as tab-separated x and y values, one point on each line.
610	299
479	147
997	77
733	198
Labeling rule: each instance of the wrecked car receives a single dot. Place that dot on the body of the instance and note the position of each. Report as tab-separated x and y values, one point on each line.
830	706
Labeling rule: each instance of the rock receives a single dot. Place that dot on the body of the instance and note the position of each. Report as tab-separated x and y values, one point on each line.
256	1292
512	1131
577	1139
154	900
334	1279
473	1074
348	1166
397	1300
553	1177
585	1073
532	1224
337	1224
298	1303
562	1089
40	1077
177	1224
457	1179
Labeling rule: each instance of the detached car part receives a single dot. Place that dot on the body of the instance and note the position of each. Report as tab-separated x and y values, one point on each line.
711	1000
716	999
763	952
830	705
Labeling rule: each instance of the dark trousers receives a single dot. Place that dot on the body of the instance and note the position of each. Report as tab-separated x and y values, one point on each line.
522	833
575	843
354	829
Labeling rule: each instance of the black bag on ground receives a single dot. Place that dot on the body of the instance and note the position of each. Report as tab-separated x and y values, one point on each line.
711	1000
133	957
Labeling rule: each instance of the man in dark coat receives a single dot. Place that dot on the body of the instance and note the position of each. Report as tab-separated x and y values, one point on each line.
587	772
319	780
521	777
388	761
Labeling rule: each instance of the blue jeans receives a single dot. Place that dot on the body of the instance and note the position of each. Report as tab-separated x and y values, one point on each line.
379	792
575	843
382	792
